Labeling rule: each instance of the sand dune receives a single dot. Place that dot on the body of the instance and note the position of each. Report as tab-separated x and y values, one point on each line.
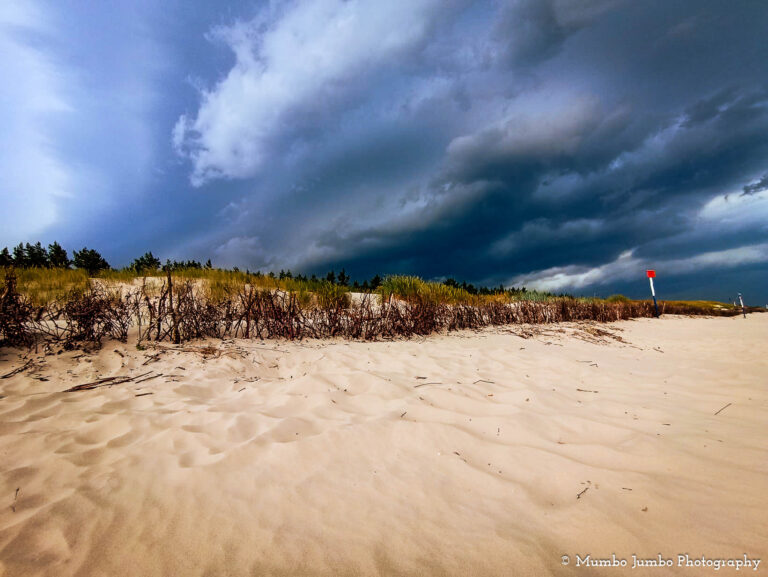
453	455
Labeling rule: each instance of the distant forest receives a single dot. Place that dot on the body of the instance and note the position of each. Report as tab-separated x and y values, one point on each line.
55	256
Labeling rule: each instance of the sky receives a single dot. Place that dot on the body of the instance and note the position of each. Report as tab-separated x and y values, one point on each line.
561	145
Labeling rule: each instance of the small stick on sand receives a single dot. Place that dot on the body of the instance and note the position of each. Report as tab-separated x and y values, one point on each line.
401	416
425	384
151	359
105	382
584	491
17	371
144	394
483	381
725	407
13	507
586	391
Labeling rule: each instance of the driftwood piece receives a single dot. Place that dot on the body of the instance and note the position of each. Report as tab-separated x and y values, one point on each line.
105	382
21	369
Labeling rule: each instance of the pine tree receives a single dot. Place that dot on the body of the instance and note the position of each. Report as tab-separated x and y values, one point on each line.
57	256
146	263
6	260
37	256
89	260
20	256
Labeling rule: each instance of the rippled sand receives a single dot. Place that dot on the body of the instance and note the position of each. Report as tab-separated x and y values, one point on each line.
453	455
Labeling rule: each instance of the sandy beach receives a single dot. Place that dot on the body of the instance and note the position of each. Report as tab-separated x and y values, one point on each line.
476	453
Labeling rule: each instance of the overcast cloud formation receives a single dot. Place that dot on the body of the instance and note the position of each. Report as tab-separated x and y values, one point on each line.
564	145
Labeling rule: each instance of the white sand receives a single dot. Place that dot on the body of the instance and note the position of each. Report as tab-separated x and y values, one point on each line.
336	458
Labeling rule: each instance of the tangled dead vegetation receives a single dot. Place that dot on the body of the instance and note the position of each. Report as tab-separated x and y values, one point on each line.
182	311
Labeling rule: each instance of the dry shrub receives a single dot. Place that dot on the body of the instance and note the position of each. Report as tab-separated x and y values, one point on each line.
15	313
94	315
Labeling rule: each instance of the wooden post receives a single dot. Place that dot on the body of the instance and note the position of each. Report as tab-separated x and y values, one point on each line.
175	337
743	310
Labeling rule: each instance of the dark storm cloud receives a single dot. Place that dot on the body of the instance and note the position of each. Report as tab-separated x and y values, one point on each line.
758	186
511	220
564	177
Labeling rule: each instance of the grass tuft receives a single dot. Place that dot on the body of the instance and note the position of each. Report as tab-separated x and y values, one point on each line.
45	285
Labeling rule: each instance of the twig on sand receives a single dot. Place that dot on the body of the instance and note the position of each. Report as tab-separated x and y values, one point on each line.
584	491
15	496
483	381
425	384
21	369
105	382
100	383
725	407
149	378
144	394
401	416
151	359
586	391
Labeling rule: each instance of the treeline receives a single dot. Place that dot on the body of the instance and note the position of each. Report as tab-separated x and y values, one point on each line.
55	256
38	256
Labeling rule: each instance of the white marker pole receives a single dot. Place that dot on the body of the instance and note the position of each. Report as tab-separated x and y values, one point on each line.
650	273
741	301
653	294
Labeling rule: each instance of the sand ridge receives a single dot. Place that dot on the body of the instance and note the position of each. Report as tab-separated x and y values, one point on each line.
487	453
